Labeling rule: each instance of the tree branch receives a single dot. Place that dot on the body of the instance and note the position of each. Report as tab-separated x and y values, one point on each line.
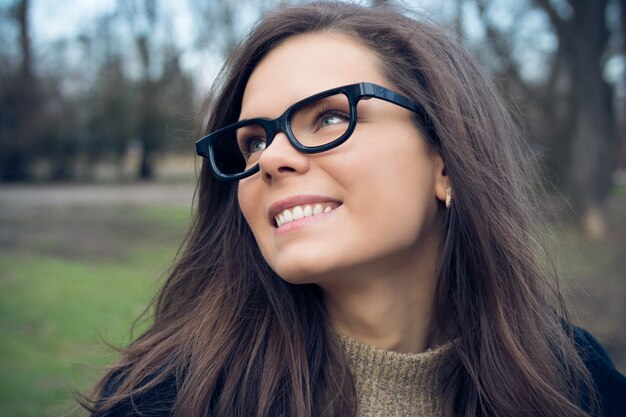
560	25
502	48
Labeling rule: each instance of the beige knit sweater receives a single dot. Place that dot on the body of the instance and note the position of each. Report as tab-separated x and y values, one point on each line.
392	384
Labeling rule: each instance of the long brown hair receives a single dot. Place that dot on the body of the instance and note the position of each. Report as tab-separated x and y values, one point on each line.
240	341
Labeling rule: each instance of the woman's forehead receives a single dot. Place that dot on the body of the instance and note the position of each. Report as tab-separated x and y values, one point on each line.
305	65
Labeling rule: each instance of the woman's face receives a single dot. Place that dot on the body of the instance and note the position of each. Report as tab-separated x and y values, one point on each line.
381	186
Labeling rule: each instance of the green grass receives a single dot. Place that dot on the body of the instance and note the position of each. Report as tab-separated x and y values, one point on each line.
620	190
71	278
58	304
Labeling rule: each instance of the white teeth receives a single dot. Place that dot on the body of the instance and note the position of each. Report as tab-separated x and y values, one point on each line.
299	212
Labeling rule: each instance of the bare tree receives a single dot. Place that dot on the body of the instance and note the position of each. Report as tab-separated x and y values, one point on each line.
157	111
220	25
583	39
19	105
573	104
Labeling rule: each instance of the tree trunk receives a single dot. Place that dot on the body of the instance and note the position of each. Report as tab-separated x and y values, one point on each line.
593	143
25	44
19	107
146	167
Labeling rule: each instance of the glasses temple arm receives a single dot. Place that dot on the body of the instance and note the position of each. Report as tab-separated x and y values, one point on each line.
383	93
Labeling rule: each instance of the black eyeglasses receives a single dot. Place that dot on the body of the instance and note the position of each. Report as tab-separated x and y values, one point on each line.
315	124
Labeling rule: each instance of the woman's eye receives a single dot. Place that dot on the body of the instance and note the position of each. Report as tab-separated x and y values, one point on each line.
256	145
332	118
251	145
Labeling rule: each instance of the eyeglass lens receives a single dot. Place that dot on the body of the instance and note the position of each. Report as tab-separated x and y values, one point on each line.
312	124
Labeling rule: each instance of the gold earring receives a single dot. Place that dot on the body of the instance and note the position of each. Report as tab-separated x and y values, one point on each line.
448	197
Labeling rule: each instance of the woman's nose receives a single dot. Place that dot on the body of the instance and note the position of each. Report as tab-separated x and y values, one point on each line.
281	159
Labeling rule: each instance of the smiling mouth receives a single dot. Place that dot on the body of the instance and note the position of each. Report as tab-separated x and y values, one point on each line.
301	211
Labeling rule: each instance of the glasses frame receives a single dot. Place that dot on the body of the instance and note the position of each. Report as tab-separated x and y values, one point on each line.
354	93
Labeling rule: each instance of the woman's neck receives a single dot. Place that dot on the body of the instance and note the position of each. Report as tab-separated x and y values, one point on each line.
389	305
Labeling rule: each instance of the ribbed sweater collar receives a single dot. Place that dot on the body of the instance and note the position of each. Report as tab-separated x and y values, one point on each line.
393	384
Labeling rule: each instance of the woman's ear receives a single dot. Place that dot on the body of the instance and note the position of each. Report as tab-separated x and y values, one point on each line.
442	182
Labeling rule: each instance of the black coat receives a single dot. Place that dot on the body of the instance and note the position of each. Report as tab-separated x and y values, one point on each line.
610	386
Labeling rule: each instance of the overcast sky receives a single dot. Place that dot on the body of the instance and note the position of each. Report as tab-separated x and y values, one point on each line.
53	20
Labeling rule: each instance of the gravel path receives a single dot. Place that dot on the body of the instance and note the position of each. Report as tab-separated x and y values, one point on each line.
64	195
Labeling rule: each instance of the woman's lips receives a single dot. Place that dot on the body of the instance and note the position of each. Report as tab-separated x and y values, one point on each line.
305	221
299	207
296	213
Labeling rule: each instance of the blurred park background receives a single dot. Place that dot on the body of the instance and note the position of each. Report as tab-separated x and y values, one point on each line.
97	166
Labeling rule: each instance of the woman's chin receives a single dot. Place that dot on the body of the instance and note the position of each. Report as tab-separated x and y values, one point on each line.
300	275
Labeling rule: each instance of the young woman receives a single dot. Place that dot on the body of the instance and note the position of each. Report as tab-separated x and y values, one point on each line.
364	244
